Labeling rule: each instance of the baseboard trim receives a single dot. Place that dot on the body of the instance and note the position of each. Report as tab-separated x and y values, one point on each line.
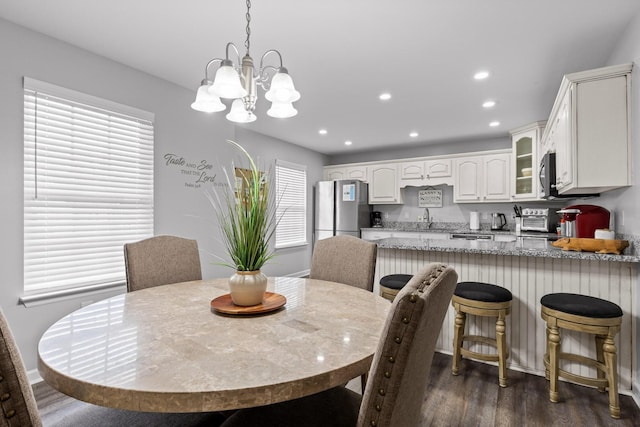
34	377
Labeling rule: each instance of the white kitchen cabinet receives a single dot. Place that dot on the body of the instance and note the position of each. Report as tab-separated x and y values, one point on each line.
358	172
384	185
426	169
426	172
334	173
481	179
383	234
375	235
525	161
589	129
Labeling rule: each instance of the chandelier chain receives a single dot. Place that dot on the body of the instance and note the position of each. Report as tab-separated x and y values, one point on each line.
247	42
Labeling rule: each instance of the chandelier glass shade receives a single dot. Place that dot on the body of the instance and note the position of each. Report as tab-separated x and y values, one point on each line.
241	83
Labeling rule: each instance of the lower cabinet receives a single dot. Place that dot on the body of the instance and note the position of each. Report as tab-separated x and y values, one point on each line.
382	234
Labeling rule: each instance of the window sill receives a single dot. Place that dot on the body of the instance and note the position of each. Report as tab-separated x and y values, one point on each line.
292	245
50	297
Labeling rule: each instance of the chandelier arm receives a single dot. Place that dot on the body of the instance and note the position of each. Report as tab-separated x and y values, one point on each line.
230	44
264	55
206	68
264	76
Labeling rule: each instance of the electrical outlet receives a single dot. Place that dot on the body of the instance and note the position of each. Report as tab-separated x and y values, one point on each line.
386	215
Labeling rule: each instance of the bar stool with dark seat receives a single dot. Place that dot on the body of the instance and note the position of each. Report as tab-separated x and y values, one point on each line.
592	315
390	285
481	299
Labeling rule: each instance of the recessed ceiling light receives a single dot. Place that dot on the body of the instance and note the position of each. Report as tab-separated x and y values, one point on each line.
322	131
494	124
385	96
489	104
480	75
348	143
413	134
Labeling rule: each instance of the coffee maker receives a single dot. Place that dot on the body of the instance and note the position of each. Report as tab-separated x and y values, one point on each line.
583	220
376	219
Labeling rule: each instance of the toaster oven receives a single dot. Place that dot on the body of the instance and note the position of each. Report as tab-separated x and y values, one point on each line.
539	219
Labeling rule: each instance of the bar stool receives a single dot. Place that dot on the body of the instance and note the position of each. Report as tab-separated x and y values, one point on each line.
583	314
481	299
390	285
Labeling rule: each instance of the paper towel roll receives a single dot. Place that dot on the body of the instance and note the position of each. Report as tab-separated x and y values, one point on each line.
605	233
474	220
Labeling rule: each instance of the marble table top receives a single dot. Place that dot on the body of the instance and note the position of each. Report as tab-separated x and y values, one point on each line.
161	349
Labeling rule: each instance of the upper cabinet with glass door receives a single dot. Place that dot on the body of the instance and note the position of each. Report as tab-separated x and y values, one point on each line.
525	164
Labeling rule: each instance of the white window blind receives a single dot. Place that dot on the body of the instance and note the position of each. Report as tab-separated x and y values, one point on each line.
291	190
88	187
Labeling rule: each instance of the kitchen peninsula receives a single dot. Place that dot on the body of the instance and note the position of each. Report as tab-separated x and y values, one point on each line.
529	269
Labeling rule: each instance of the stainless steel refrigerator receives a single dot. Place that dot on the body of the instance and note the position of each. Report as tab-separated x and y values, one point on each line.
341	207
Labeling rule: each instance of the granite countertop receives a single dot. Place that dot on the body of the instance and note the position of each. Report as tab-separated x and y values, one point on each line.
521	247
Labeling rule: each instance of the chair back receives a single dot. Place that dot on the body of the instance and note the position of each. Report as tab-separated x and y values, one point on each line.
400	370
345	259
17	403
161	260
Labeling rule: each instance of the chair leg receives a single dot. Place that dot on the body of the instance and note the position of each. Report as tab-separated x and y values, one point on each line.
554	353
363	381
458	335
612	375
600	358
502	351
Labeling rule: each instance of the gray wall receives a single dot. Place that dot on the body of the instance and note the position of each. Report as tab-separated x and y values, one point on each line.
180	207
628	200
422	150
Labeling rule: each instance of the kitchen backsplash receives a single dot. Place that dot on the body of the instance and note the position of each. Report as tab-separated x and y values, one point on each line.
454	213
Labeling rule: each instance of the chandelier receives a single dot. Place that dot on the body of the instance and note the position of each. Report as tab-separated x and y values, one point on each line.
240	84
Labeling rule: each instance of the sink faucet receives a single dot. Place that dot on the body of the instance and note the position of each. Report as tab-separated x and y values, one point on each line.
427	217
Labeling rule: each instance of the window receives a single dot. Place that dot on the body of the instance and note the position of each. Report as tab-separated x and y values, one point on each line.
88	188
291	190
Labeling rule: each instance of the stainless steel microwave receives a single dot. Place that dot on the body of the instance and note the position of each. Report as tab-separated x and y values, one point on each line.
547	176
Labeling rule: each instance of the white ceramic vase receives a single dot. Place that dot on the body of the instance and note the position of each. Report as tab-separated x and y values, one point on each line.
247	287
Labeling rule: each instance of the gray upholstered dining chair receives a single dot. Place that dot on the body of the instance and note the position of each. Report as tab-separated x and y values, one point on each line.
345	259
399	373
18	405
161	260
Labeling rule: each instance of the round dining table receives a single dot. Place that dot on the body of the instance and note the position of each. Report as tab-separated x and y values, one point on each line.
164	349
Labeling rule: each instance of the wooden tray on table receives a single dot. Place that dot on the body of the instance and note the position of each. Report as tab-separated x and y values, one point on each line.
601	246
271	302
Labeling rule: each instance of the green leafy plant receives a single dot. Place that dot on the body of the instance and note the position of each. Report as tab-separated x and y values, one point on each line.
246	217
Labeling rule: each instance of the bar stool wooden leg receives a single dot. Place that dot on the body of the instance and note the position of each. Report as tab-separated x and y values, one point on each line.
545	359
554	360
458	335
502	351
600	358
612	374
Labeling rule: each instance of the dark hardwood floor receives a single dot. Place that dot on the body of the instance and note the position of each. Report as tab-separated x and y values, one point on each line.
473	398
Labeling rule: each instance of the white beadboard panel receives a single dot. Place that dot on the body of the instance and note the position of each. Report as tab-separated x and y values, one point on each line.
529	279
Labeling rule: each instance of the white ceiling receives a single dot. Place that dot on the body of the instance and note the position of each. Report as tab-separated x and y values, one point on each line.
343	54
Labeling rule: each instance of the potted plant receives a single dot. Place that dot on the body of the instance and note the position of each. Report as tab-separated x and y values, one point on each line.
246	215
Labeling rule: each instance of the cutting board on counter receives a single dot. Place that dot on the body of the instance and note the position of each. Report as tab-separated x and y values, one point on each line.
601	246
